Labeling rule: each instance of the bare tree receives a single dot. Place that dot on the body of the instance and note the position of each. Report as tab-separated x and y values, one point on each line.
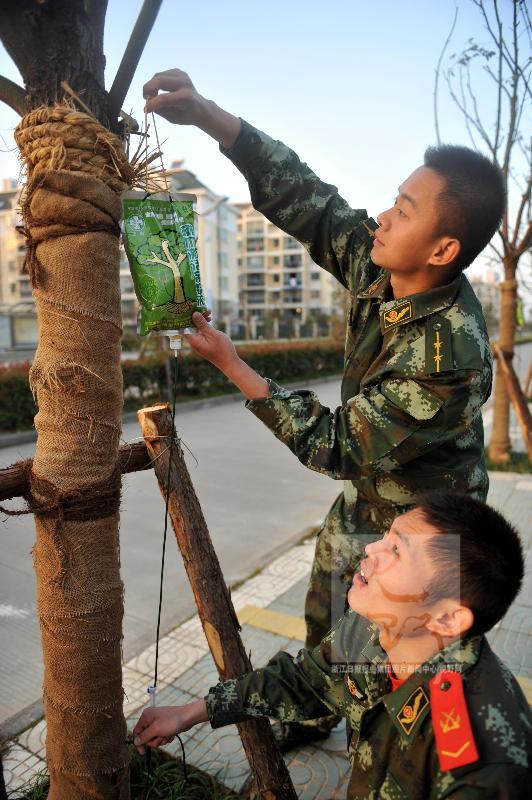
76	168
496	125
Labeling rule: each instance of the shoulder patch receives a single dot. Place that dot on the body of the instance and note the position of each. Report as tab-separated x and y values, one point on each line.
354	689
395	316
412	710
365	230
450	721
438	345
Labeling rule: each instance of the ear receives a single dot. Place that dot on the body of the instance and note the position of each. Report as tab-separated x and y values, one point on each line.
451	621
445	253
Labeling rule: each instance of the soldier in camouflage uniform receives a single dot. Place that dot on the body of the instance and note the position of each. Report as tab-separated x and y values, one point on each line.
418	363
431	712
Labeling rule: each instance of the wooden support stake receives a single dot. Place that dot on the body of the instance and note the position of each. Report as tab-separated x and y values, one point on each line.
213	600
517	397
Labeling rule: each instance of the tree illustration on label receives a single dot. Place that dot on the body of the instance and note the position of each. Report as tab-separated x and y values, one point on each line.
157	289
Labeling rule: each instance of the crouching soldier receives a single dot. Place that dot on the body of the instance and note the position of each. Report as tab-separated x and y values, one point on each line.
431	711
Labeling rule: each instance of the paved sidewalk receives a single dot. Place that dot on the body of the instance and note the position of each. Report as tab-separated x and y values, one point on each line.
269	606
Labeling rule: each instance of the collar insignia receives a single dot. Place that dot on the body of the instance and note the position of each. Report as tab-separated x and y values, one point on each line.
412	710
400	313
354	690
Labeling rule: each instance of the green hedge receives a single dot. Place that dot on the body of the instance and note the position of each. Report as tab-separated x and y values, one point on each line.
146	381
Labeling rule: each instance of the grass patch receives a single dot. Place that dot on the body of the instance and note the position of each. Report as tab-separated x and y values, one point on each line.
167	782
519	462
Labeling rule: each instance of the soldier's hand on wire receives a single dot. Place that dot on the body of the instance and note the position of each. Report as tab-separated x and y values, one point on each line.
173	95
158	726
210	343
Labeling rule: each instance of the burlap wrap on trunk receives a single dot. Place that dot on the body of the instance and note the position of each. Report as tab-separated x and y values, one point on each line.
72	225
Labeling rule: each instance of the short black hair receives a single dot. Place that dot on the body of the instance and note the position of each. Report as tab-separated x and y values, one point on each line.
487	549
472	204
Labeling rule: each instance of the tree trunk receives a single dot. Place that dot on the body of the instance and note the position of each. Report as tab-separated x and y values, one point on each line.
58	41
499	445
71	223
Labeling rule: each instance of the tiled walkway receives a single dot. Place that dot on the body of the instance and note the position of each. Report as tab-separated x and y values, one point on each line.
186	670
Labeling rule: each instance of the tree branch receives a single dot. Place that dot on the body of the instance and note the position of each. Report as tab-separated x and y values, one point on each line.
463	110
437	75
133	52
13	95
525	198
526	241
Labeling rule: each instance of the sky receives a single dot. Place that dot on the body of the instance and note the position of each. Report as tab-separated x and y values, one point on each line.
347	84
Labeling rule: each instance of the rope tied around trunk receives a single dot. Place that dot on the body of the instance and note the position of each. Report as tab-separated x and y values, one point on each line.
60	137
101	499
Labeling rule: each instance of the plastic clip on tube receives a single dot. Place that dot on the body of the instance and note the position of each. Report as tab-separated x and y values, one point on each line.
152	692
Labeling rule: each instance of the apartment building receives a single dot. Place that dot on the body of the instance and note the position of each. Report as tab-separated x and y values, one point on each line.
15	287
280	287
217	248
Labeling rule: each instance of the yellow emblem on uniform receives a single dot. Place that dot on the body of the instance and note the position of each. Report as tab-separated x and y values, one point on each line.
354	690
412	710
398	314
450	721
375	285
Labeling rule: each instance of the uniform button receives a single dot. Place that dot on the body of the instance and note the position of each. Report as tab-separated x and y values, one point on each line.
445	686
437	326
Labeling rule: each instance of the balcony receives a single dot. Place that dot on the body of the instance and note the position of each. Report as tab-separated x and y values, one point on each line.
255	245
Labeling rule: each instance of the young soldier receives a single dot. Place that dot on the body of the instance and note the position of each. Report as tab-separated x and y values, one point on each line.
417	362
431	711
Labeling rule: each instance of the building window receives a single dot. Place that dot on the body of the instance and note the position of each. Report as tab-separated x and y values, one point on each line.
315	295
254	243
276	260
276	278
292	262
315	276
291	244
255	262
256	297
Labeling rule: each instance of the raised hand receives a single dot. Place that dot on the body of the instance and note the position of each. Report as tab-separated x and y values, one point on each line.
179	102
173	95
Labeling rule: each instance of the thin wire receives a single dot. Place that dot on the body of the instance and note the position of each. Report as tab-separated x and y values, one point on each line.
160	153
146	149
172	440
161	579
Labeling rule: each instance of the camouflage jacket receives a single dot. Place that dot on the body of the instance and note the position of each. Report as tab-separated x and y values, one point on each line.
391	743
417	369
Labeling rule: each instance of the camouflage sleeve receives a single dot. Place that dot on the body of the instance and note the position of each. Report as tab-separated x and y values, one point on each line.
377	430
291	196
304	687
489	782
